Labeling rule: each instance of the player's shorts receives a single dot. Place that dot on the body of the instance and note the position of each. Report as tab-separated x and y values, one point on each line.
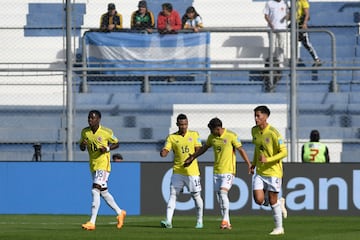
272	184
100	177
192	183
223	181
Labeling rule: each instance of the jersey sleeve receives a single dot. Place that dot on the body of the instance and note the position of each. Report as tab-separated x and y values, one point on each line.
236	141
280	146
168	144
82	137
113	138
197	140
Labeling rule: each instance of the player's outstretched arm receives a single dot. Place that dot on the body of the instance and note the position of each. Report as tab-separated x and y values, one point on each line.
198	153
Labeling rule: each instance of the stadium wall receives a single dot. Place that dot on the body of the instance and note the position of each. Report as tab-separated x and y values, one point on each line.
143	189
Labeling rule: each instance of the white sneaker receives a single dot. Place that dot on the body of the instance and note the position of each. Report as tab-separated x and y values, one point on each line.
283	207
199	225
277	231
165	224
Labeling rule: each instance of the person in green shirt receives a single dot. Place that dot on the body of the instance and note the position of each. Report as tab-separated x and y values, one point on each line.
314	151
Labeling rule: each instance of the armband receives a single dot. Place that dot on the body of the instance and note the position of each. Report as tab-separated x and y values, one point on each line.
107	149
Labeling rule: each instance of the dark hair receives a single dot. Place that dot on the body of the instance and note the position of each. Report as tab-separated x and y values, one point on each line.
142	4
111	6
167	6
181	116
190	9
96	112
214	123
184	18
117	155
263	109
314	136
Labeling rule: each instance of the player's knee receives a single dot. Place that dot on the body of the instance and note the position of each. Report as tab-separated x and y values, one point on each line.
174	192
259	200
223	192
95	191
104	192
195	194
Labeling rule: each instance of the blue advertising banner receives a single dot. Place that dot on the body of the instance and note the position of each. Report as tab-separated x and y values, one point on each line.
143	189
64	188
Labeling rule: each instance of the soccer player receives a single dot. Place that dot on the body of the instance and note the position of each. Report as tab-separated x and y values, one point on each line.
269	151
182	143
99	141
224	143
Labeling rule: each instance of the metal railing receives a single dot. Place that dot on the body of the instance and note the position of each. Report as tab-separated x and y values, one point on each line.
146	84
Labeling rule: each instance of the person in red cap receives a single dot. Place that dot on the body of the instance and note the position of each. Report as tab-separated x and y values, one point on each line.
111	20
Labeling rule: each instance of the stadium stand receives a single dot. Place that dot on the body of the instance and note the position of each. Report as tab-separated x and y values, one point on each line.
53	26
142	120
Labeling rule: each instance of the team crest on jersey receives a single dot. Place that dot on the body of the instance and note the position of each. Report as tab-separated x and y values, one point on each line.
99	138
225	141
267	140
190	139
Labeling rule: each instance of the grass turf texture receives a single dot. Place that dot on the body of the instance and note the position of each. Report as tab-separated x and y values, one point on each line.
60	227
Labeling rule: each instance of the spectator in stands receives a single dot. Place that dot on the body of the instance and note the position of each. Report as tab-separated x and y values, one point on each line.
314	151
302	18
99	141
269	151
276	13
111	20
169	20
182	143
117	157
192	20
224	142
142	19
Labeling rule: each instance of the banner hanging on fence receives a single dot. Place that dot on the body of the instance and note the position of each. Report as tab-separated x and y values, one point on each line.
137	50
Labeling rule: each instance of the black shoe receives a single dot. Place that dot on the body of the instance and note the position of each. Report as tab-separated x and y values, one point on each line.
317	63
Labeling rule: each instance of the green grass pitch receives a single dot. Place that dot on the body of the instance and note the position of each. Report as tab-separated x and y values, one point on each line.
64	227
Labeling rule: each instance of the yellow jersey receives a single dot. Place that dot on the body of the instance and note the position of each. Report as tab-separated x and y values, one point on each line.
101	138
300	6
224	151
182	146
270	143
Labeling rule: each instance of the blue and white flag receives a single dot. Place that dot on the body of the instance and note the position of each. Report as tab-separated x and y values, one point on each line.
136	50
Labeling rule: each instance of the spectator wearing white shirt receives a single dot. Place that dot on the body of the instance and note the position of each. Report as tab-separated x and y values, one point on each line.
276	15
192	20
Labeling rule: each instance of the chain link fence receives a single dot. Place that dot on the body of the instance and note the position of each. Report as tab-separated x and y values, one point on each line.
34	84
